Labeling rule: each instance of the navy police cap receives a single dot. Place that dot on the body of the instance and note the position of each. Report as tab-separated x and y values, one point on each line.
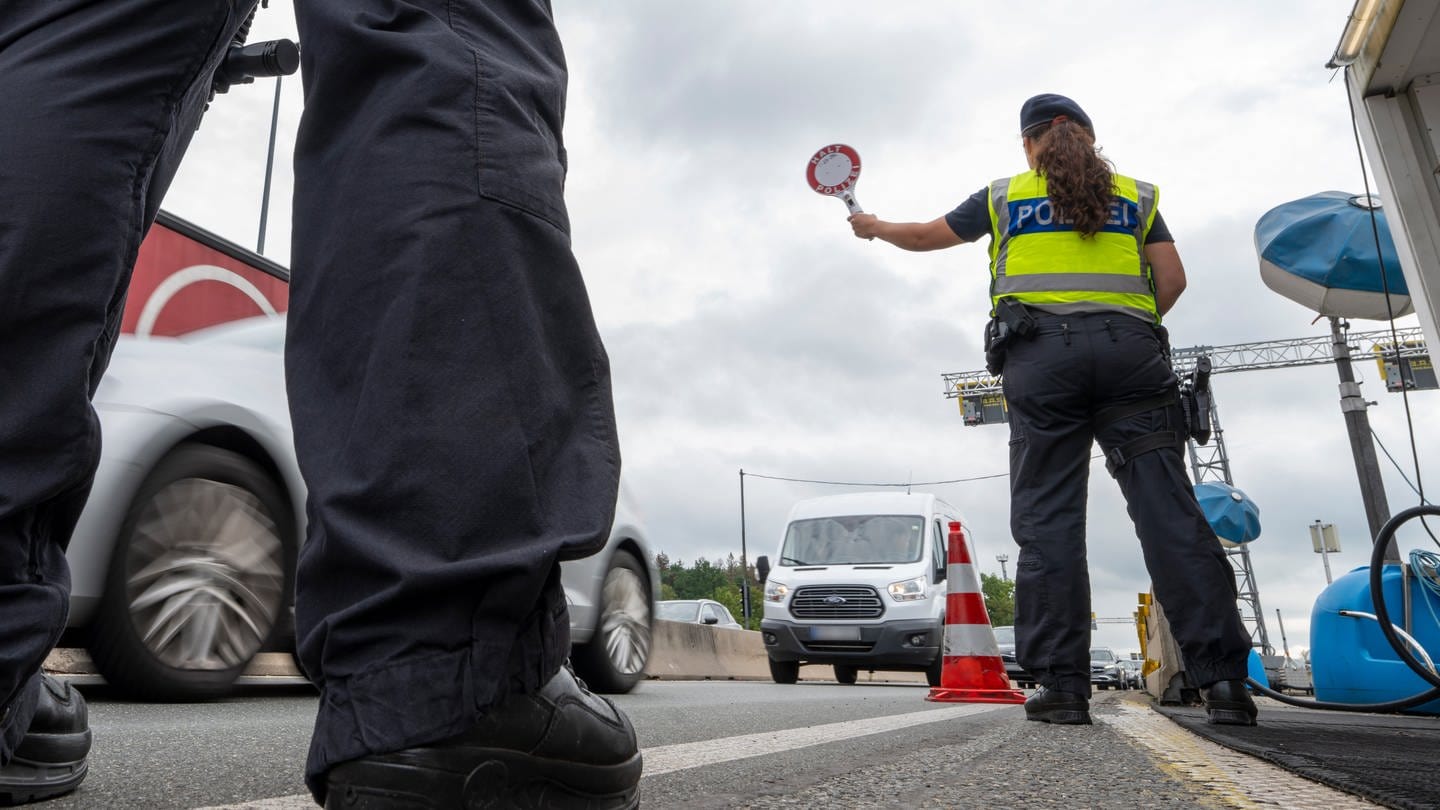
1044	108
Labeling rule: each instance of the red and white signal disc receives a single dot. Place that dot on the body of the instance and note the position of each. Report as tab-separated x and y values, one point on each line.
833	169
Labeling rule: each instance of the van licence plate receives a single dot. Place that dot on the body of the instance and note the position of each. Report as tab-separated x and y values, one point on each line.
829	633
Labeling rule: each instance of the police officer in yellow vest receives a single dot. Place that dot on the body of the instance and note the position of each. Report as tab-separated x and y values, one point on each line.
1082	267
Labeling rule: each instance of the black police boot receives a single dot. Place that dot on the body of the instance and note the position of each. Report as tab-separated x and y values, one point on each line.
1062	708
1228	703
560	747
52	757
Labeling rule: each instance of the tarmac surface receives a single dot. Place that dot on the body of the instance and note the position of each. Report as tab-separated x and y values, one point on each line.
1138	754
1390	760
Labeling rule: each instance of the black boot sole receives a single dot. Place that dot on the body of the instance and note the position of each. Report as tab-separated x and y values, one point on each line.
23	781
1061	717
497	779
1229	717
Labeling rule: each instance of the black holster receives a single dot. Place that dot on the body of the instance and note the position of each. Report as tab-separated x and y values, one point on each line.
1012	321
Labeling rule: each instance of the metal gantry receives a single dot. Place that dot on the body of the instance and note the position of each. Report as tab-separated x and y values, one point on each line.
982	402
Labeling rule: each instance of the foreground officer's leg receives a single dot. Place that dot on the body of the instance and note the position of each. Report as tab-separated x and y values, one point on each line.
452	411
1193	579
100	101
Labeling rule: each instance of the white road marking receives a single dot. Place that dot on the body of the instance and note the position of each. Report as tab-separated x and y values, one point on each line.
299	801
681	756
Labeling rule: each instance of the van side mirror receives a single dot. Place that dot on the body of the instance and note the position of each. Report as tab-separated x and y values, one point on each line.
762	568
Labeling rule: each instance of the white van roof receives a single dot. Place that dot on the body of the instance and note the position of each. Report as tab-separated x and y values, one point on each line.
870	503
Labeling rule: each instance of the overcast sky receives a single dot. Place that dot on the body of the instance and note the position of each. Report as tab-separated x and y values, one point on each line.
749	329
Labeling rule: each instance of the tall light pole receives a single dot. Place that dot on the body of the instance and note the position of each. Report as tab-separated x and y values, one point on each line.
1003	558
269	169
744	562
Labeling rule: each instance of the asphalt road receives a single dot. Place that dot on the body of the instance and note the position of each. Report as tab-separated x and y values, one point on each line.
714	744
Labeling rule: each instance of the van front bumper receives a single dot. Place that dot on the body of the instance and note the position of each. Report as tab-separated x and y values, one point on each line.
910	645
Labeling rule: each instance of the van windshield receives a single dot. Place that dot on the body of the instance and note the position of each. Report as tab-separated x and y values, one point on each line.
854	539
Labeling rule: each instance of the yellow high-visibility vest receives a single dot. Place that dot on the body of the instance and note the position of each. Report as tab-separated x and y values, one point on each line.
1040	260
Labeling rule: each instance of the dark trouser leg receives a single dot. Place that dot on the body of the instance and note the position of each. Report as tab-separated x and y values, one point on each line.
100	100
450	394
1193	580
1050	443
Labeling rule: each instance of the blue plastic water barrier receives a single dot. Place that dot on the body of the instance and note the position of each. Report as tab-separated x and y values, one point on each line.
1350	660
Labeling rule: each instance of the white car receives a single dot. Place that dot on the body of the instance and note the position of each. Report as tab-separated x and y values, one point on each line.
697	611
183	562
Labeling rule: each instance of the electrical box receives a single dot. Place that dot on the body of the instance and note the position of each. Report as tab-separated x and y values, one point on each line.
1412	372
981	404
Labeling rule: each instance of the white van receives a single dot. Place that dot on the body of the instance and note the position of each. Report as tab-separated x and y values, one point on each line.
859	584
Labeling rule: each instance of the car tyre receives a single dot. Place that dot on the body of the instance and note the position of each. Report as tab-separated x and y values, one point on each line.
933	672
785	672
846	674
200	576
615	658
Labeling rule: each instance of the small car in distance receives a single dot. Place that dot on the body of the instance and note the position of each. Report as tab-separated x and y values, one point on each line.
696	611
1005	639
1106	672
1132	672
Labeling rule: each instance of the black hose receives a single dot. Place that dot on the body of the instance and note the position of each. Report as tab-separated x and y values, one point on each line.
1373	708
1377	570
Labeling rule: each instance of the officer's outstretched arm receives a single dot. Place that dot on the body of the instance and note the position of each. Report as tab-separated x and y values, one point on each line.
918	236
1168	272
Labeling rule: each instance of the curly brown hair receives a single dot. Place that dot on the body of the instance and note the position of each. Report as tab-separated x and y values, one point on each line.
1078	179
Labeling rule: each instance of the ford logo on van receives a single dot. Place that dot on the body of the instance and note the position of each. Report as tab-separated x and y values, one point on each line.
834	600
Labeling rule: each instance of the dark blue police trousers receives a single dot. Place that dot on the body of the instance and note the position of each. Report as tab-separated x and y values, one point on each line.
449	391
1055	383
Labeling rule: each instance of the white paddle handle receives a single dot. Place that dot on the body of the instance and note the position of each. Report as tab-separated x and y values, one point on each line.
848	198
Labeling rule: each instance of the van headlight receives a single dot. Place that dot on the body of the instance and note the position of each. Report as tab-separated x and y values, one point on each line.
908	590
776	591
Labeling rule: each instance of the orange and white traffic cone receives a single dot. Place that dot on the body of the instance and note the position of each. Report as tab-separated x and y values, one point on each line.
972	671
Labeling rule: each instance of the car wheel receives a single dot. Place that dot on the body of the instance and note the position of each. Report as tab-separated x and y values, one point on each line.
933	672
615	659
784	671
201	572
846	675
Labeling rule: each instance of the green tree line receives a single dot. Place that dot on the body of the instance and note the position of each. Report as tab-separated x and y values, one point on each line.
719	580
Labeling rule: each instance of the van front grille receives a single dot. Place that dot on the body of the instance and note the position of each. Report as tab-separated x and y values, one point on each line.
839	646
837	602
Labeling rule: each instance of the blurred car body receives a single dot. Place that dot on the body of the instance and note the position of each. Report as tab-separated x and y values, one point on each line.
183	560
1005	639
697	611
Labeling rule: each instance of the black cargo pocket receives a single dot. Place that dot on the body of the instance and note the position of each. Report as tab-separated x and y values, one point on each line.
519	106
517	135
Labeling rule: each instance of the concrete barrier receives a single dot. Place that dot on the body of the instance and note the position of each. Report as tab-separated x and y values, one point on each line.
685	651
678	651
